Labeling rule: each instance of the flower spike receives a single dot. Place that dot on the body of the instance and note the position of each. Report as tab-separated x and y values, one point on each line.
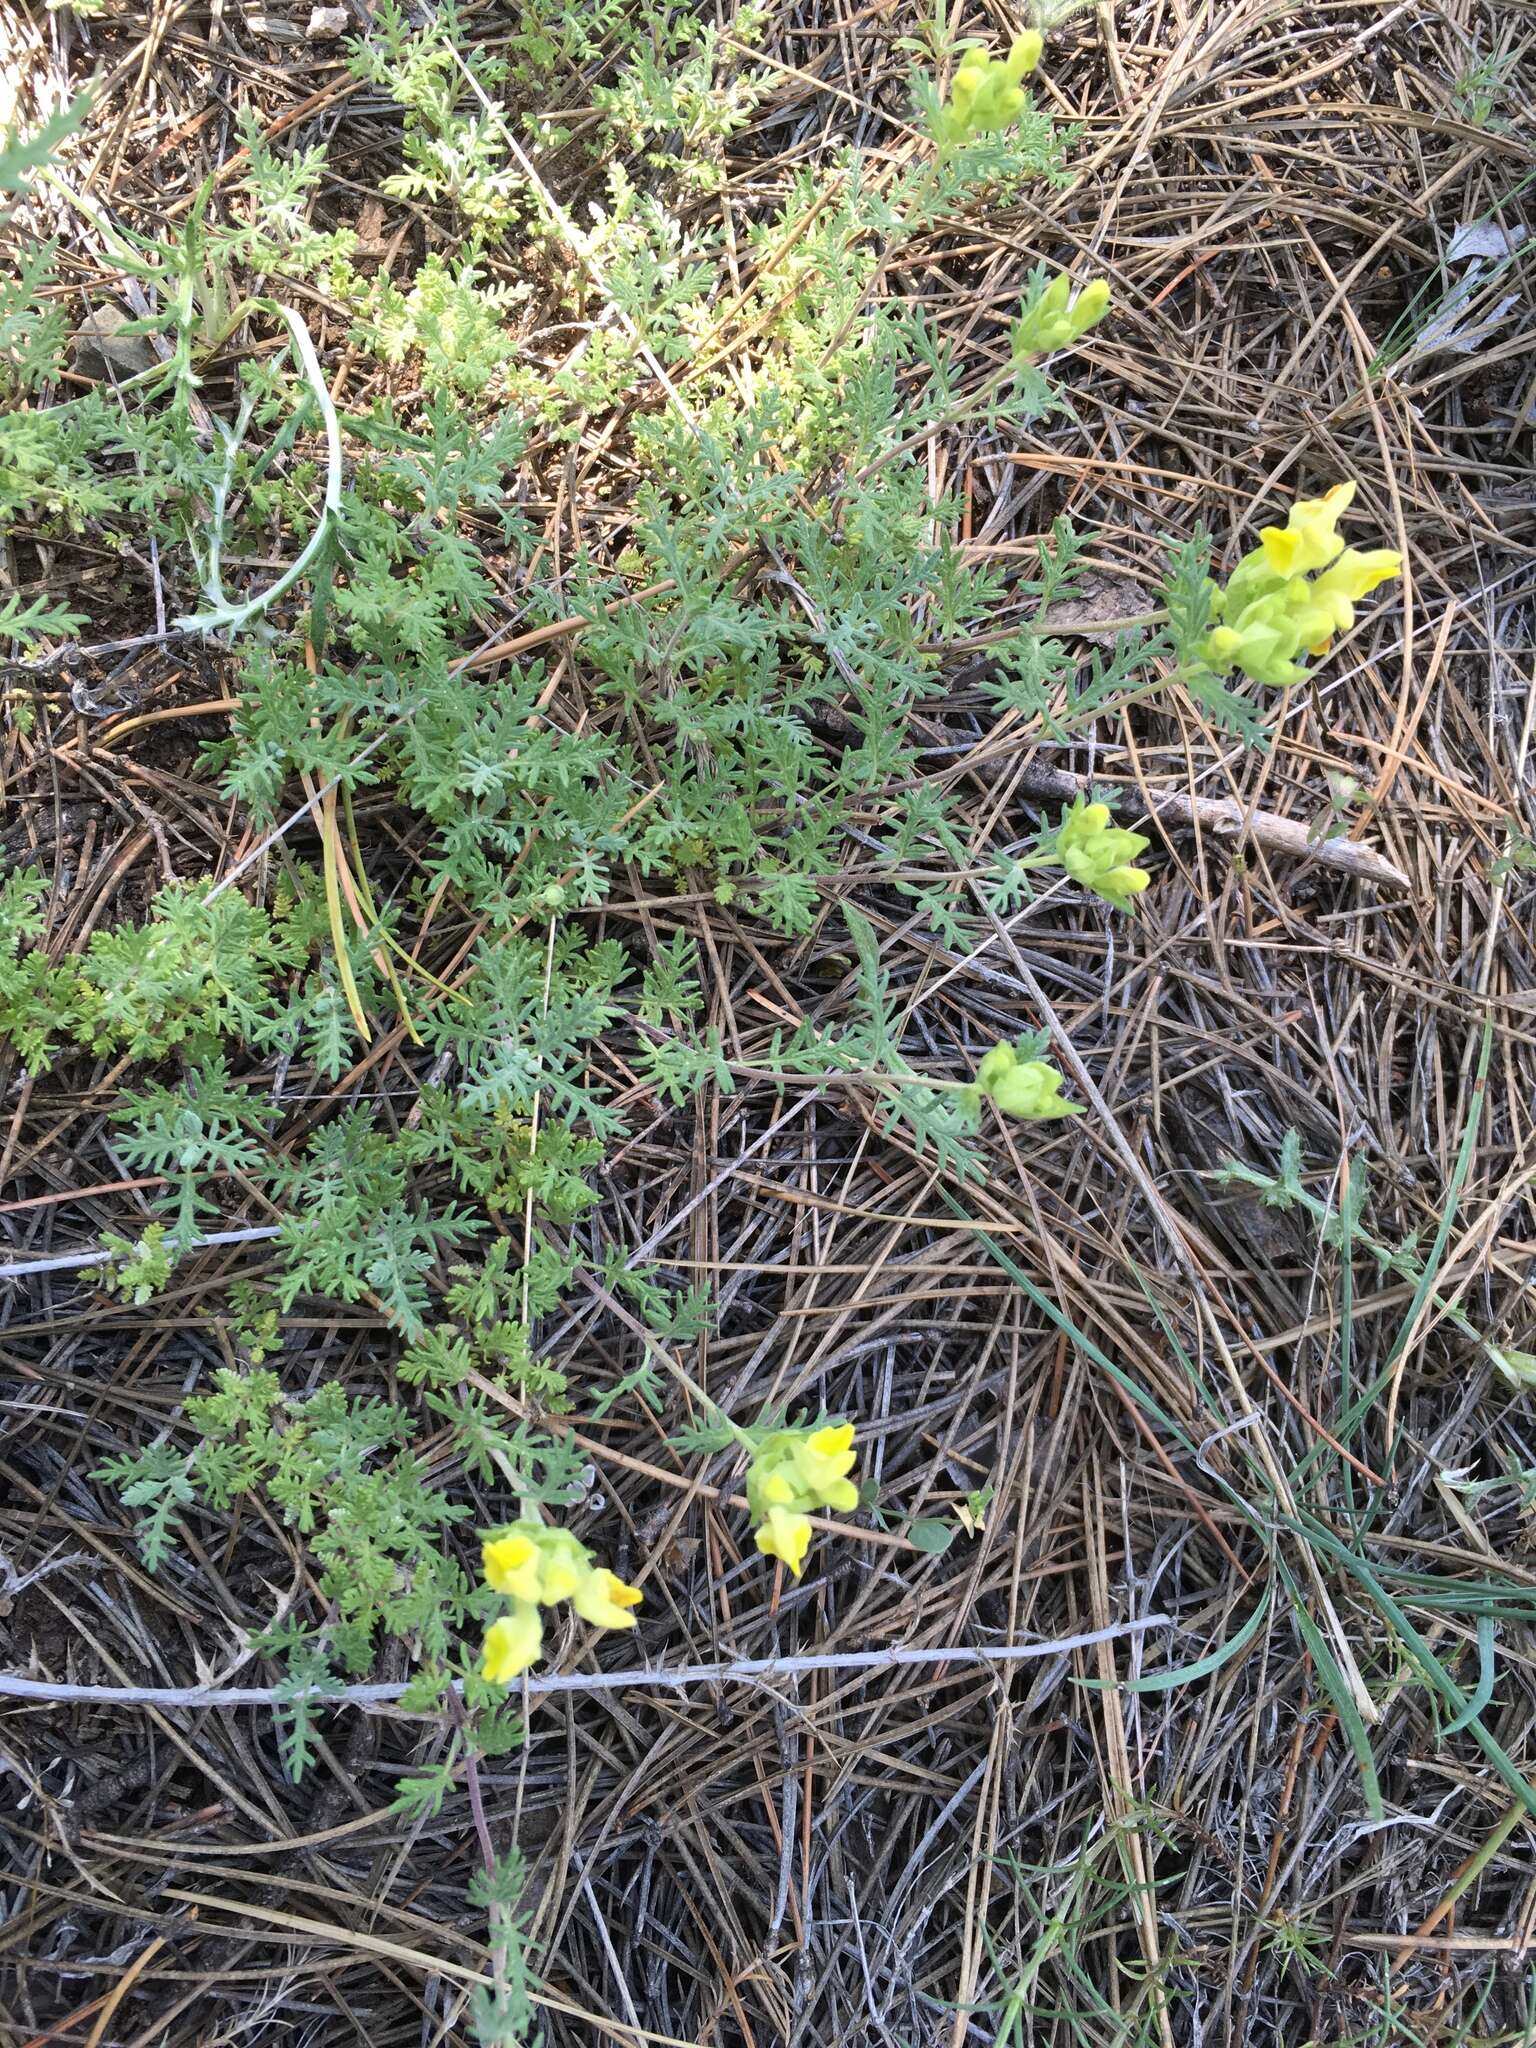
793	1473
535	1566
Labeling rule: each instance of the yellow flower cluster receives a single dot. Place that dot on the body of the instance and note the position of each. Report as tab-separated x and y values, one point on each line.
1276	604
1030	1089
534	1566
1056	319
1101	855
793	1473
985	94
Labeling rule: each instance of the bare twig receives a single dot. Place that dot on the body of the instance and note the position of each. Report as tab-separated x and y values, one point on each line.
656	1677
1224	816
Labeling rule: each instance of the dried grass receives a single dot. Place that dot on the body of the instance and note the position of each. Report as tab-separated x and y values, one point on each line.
850	1859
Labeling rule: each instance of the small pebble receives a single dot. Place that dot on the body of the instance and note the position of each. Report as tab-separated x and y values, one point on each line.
103	353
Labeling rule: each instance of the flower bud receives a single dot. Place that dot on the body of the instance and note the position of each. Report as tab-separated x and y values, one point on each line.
1024	54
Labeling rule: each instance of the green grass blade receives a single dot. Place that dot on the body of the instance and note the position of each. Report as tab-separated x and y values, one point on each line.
1188	1674
1336	1685
1482	1692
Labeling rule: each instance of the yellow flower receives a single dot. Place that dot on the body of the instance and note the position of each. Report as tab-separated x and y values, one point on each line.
1310	538
785	1535
825	1455
1329	604
536	1565
793	1473
823	1461
601	1598
1269	609
512	1644
511	1565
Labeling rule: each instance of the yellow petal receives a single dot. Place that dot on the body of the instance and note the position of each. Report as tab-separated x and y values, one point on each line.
1358	571
558	1579
512	1644
831	1441
786	1536
602	1598
820	1473
1282	548
511	1565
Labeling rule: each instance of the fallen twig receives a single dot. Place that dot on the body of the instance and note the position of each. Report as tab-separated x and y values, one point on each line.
1224	816
670	1678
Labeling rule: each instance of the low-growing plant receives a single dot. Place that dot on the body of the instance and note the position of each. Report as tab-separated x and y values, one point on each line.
781	604
758	657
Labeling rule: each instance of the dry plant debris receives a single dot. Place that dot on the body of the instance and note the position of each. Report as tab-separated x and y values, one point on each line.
1229	1375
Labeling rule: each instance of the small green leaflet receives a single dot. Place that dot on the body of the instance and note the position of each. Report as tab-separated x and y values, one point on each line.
19	159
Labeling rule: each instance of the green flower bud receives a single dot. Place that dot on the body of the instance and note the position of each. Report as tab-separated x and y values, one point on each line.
985	95
1024	54
1092	304
1029	1089
1099	855
1055	320
994	1065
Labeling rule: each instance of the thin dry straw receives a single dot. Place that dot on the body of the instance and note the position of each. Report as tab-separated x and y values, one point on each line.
578	1681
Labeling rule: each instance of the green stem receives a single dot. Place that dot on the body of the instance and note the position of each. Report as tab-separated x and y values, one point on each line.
711	1407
